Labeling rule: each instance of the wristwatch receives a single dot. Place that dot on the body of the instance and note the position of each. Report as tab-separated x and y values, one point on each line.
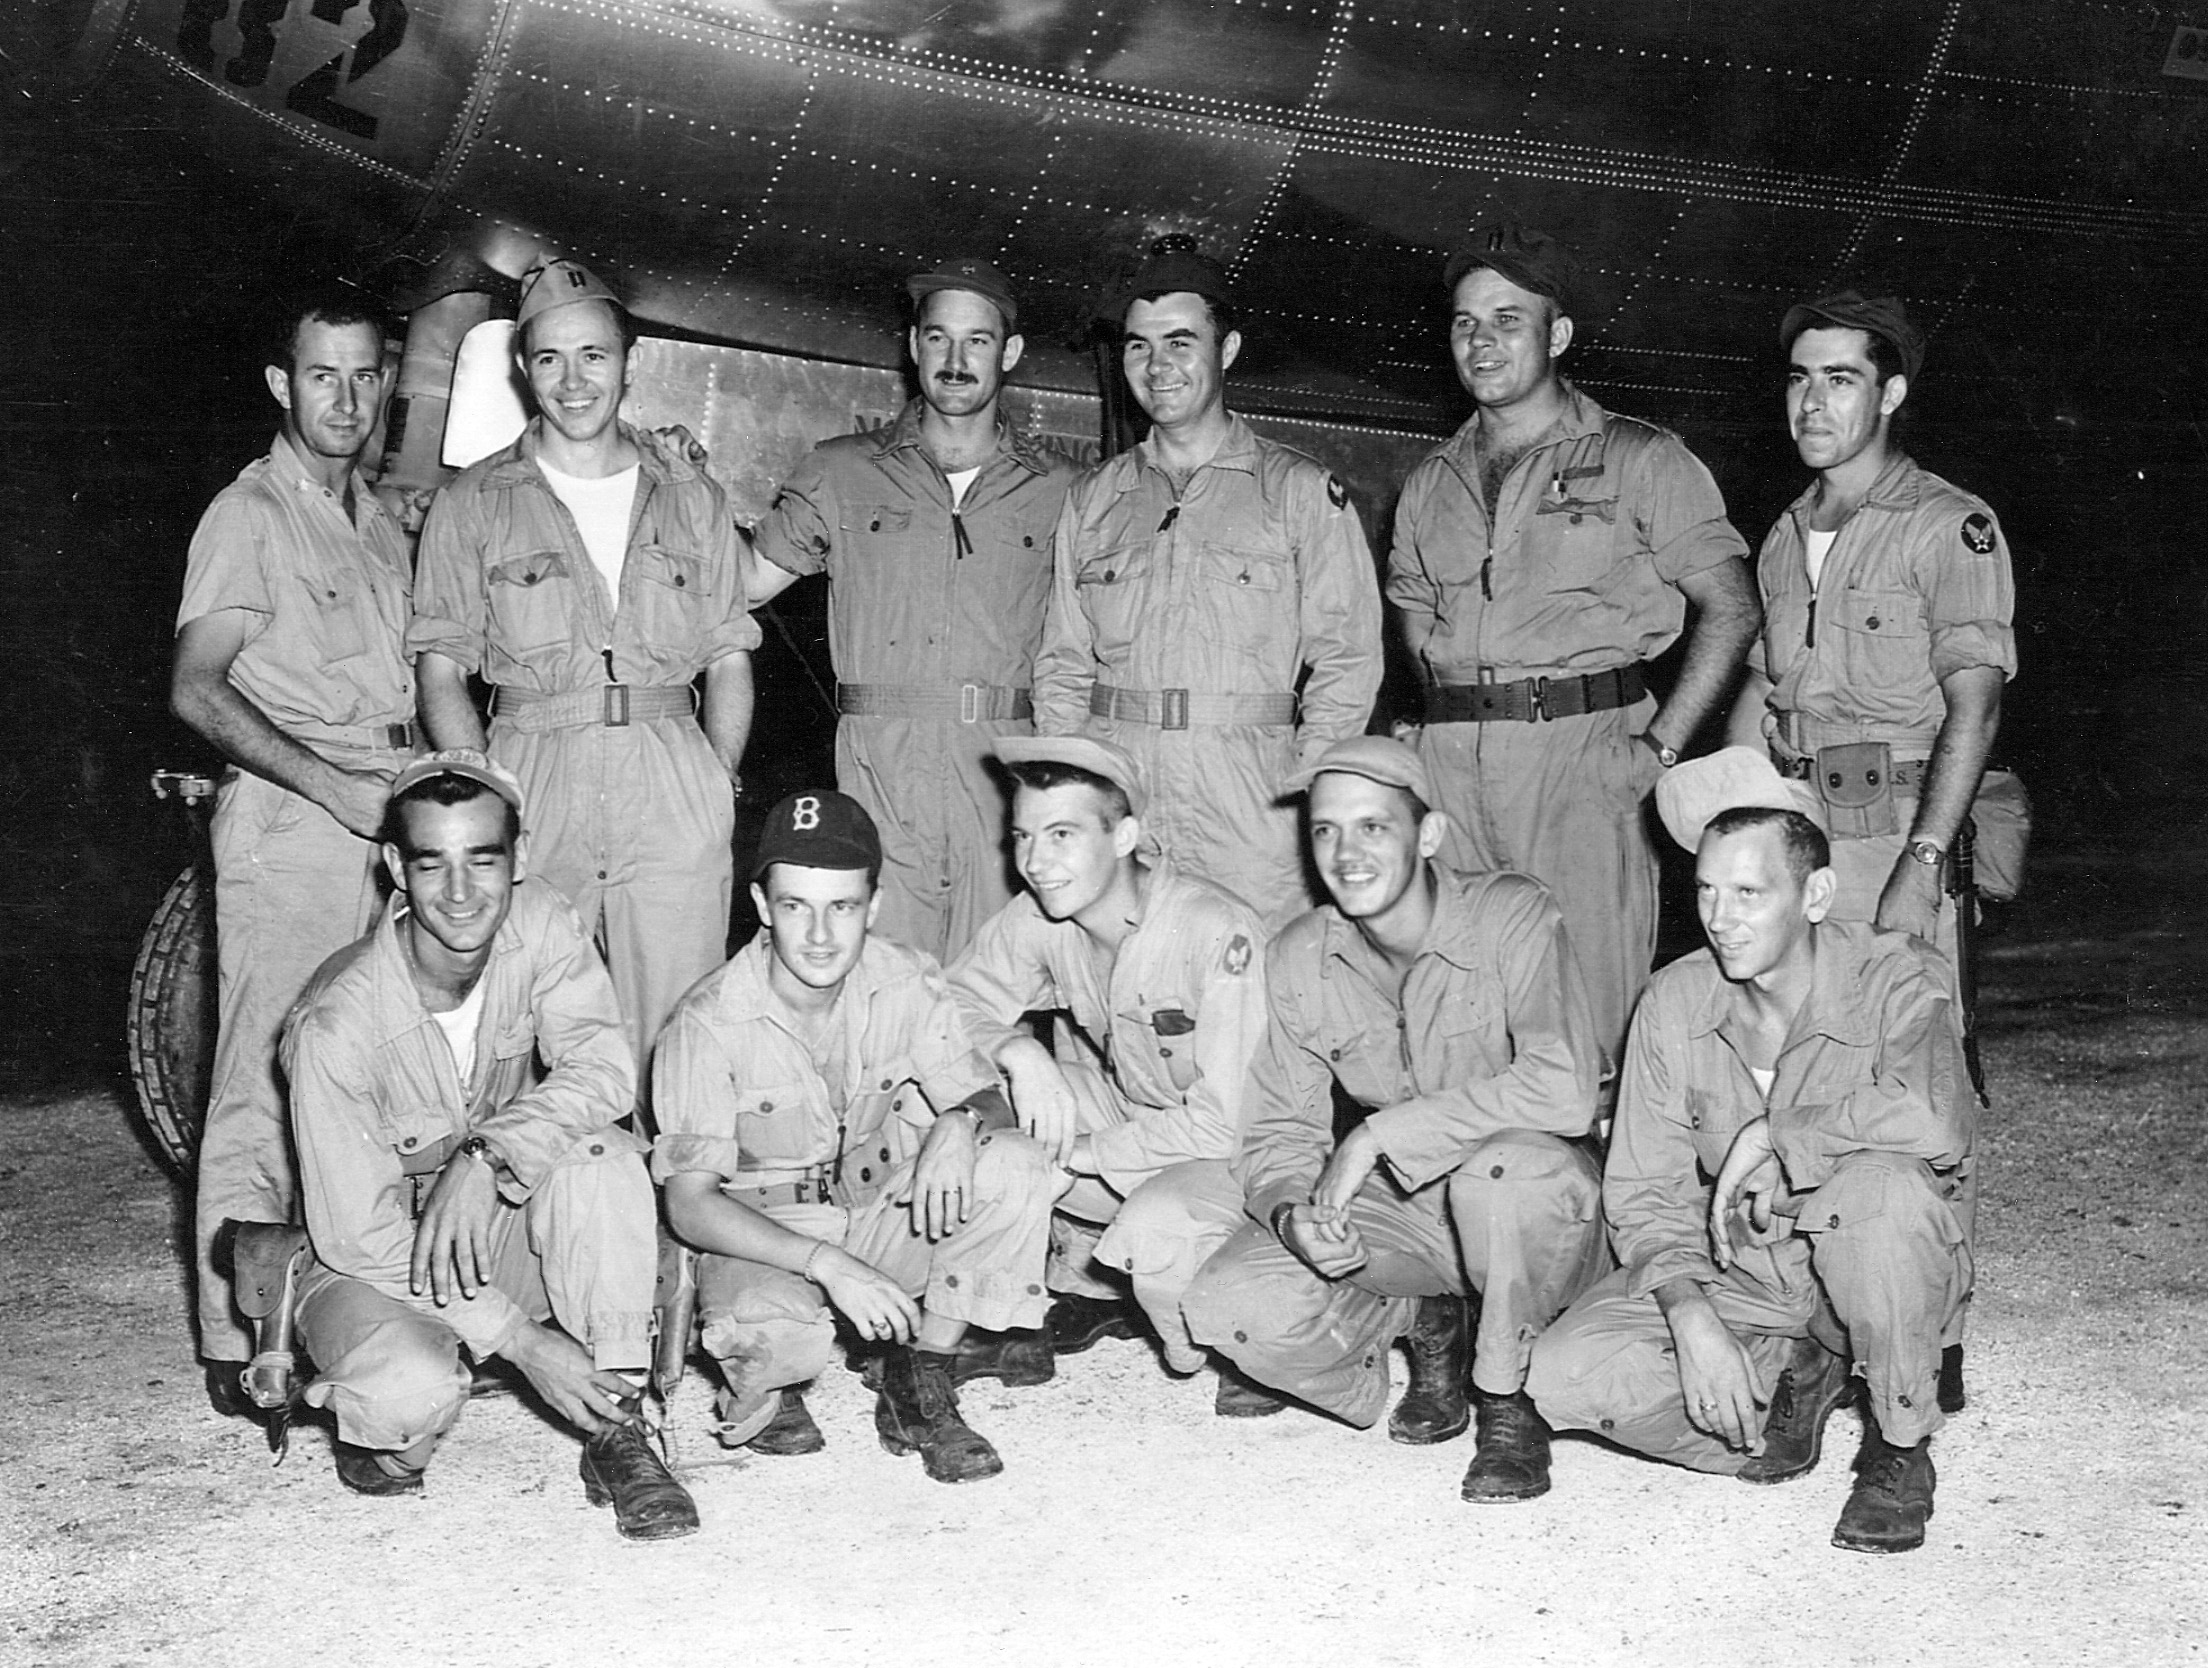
1665	756
476	1147
1928	852
1279	1221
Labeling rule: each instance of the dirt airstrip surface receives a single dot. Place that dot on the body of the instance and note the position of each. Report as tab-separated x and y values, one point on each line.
1130	1526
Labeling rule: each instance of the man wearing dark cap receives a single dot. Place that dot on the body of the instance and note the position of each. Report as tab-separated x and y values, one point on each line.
1200	576
1814	1068
455	1080
1541	555
835	1144
289	662
1448	1008
588	573
1159	973
1887	637
935	535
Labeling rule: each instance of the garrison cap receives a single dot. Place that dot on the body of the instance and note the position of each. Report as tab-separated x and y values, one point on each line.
558	283
1693	791
464	762
1098	758
818	828
1882	315
1380	759
967	272
1532	260
1173	265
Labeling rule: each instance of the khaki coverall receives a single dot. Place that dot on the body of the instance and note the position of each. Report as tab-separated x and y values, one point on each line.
1915	588
1179	624
1870	1111
1174	1017
1478	1080
630	813
378	1107
933	618
825	1143
1594	529
327	602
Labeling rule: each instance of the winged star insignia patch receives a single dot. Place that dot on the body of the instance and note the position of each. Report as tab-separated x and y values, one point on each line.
1336	493
1978	533
1238	955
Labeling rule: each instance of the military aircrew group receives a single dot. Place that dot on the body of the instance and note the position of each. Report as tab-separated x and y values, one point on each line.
959	1129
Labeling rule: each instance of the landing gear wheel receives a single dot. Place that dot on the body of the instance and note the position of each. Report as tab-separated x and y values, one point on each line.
170	1032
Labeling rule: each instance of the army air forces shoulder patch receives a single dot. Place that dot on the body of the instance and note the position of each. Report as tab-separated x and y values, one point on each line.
1237	958
1336	493
1978	534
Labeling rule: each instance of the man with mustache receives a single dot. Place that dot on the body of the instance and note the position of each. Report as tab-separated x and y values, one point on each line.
935	536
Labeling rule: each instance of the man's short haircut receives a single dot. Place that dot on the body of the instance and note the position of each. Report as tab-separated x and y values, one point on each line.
622	323
1044	774
1222	314
1807	849
1882	351
336	305
441	790
920	310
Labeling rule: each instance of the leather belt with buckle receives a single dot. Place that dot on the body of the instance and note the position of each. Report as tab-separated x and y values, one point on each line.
1534	700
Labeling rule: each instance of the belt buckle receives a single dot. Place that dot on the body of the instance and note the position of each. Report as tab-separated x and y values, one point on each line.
1537	694
1174	713
616	713
969	702
399	737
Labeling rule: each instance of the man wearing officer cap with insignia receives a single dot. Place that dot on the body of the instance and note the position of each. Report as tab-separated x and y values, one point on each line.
456	1077
1448	1008
1160	974
1814	1067
1542	554
833	1141
588	573
935	536
1201	577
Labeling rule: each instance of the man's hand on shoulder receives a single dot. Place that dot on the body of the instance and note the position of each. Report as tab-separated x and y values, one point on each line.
452	1241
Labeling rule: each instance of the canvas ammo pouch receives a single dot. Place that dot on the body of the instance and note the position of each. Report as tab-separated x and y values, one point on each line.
1855	779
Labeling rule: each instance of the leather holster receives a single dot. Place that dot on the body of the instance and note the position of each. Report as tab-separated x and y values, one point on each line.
270	1258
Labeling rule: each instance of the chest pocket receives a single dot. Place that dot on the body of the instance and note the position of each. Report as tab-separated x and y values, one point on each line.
1576	538
876	520
1882	639
341	608
530	599
675	596
1112	587
1171	1031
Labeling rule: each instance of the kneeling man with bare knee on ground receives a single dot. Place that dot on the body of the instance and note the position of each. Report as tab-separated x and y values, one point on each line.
1815	1068
833	1142
455	1077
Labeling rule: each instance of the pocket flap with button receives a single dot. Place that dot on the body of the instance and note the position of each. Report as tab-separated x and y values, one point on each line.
1250	570
677	570
876	518
526	572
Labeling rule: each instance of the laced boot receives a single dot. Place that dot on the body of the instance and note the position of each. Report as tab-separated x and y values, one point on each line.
1240	1397
1076	1322
1438	1404
1015	1357
1892	1498
1813	1383
619	1468
791	1430
916	1411
372	1472
1513	1458
1954	1395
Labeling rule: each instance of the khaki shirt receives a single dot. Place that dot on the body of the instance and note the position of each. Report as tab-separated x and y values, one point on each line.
924	595
1257	571
327	599
508	590
1872	1063
1491	1032
374	1089
1915	587
1594	528
739	1094
1176	1014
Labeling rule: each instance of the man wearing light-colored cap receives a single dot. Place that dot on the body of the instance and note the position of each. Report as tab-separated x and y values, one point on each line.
1213	607
1448	1007
1542	555
456	1077
289	662
832	1139
589	574
1161	977
935	535
1814	1067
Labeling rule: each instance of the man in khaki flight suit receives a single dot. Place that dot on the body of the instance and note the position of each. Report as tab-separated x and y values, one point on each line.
1198	578
935	535
289	661
589	574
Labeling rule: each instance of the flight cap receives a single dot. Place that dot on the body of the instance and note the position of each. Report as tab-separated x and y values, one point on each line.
1532	260
558	283
1882	315
1098	758
464	762
967	272
1380	759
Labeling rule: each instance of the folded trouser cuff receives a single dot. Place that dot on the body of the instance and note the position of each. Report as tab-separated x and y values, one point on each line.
992	1298
621	1340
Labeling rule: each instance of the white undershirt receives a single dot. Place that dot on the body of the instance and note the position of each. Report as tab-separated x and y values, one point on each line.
1765	1076
460	1027
1815	551
960	480
601	509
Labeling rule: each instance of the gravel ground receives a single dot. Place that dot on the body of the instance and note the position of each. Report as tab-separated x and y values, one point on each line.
1130	1525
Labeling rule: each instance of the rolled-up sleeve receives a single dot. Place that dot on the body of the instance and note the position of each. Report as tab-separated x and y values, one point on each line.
1065	661
1970	594
1340	613
1682	514
693	1099
449	606
799	534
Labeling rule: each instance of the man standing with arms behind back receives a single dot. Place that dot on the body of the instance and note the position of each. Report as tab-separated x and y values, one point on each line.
1541	555
935	535
289	661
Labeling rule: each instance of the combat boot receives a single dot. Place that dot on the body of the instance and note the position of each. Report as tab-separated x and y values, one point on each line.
1438	1404
620	1469
1954	1394
1812	1385
916	1411
1513	1458
368	1471
1892	1498
1016	1357
1076	1322
1240	1397
791	1430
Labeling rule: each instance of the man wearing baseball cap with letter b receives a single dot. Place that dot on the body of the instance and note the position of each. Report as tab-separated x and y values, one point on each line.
833	1142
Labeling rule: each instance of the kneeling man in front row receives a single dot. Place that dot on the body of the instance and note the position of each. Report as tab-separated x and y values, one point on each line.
828	1130
1815	1068
455	1077
1449	1008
